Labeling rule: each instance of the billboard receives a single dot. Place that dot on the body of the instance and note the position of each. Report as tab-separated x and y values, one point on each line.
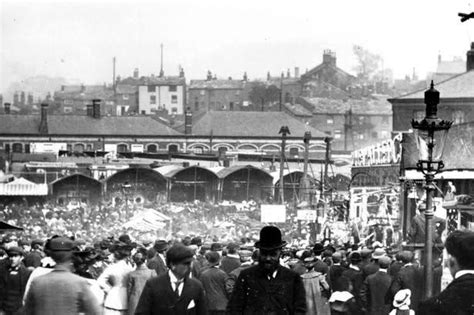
48	147
273	213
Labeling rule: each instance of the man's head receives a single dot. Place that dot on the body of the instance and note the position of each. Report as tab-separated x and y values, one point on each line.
61	249
213	258
270	245
460	247
178	259
15	254
232	248
161	246
355	258
406	256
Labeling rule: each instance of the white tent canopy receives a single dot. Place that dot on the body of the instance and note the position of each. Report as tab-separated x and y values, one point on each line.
148	220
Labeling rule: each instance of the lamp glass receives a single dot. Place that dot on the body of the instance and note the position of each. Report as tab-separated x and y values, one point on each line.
436	141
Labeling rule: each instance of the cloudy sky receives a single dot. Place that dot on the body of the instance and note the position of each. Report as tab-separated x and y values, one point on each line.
78	39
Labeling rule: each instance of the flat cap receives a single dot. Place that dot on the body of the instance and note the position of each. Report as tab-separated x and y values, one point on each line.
15	250
178	253
61	244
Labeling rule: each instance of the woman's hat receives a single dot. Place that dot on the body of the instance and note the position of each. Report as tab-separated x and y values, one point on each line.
402	298
270	238
378	253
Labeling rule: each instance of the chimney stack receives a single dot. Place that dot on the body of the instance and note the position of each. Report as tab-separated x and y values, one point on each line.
181	72
7	108
188	122
329	57
43	128
135	73
268	76
96	108
246	78
470	58
288	74
297	72
90	110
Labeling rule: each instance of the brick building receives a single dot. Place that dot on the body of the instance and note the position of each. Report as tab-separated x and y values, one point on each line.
456	104
73	99
162	93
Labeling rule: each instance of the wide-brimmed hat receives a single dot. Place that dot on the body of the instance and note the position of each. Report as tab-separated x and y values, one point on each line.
318	248
270	238
402	298
378	253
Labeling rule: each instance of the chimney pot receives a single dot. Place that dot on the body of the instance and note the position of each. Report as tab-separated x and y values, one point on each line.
297	72
470	58
188	122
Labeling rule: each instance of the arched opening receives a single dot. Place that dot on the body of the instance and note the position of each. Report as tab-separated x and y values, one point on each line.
17	148
172	148
193	183
152	148
79	148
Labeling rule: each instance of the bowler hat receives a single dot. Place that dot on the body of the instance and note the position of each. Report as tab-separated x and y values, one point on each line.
196	241
15	250
406	256
177	253
318	248
216	247
161	245
270	238
61	244
355	257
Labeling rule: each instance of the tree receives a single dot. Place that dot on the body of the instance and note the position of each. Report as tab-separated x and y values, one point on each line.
368	63
262	95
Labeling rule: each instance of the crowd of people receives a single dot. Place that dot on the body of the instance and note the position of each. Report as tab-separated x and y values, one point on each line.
124	275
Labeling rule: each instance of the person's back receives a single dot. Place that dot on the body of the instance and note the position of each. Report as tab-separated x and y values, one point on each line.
71	294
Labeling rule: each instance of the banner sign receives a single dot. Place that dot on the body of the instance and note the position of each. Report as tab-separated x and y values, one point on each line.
306	215
378	176
136	147
386	152
273	213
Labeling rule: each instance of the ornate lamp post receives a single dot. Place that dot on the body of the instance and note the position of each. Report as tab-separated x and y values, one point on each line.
430	135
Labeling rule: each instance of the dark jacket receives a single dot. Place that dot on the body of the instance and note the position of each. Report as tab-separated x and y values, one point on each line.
373	293
159	298
409	277
214	283
12	287
456	299
229	263
334	273
254	293
369	269
321	267
33	259
356	279
157	264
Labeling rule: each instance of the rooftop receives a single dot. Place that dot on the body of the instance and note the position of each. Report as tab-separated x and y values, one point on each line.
375	105
216	84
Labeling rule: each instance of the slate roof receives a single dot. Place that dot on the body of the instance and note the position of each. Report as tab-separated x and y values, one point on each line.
250	124
451	67
322	66
216	84
167	80
87	94
85	125
126	89
458	86
367	106
298	110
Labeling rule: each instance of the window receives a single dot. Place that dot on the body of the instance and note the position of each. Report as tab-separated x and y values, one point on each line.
174	99
374	134
152	99
231	105
7	148
172	148
151	88
174	110
89	147
294	151
237	92
122	148
17	148
172	88
330	120
337	134
458	117
143	112
418	114
125	96
27	148
197	150
152	148
69	147
79	148
384	134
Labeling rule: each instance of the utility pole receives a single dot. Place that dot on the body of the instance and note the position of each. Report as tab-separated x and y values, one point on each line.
284	131
281	91
304	187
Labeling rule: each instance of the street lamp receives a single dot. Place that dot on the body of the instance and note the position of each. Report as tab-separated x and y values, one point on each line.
125	189
430	134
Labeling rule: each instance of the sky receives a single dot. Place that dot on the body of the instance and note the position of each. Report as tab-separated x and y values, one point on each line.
77	40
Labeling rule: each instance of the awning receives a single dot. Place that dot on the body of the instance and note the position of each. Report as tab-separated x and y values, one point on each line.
148	220
6	226
23	187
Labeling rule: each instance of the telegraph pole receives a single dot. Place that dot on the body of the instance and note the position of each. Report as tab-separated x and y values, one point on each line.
284	131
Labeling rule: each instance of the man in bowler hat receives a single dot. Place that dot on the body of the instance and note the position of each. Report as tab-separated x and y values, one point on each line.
173	292
268	287
158	262
60	291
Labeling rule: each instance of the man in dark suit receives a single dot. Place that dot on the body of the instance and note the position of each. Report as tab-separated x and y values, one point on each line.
335	272
158	262
232	260
375	288
354	274
409	277
268	288
214	282
458	297
172	293
319	264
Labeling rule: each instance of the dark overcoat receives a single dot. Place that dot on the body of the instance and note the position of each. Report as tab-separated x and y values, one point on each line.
409	277
214	282
254	293
374	291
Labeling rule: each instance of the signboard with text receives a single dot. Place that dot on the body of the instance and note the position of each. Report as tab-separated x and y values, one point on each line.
273	213
306	215
387	152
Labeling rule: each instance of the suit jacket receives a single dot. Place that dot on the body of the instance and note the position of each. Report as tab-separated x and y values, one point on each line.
409	277
229	263
370	269
321	267
373	293
254	293
71	294
33	259
136	283
158	265
12	287
356	279
214	283
159	298
335	272
456	299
